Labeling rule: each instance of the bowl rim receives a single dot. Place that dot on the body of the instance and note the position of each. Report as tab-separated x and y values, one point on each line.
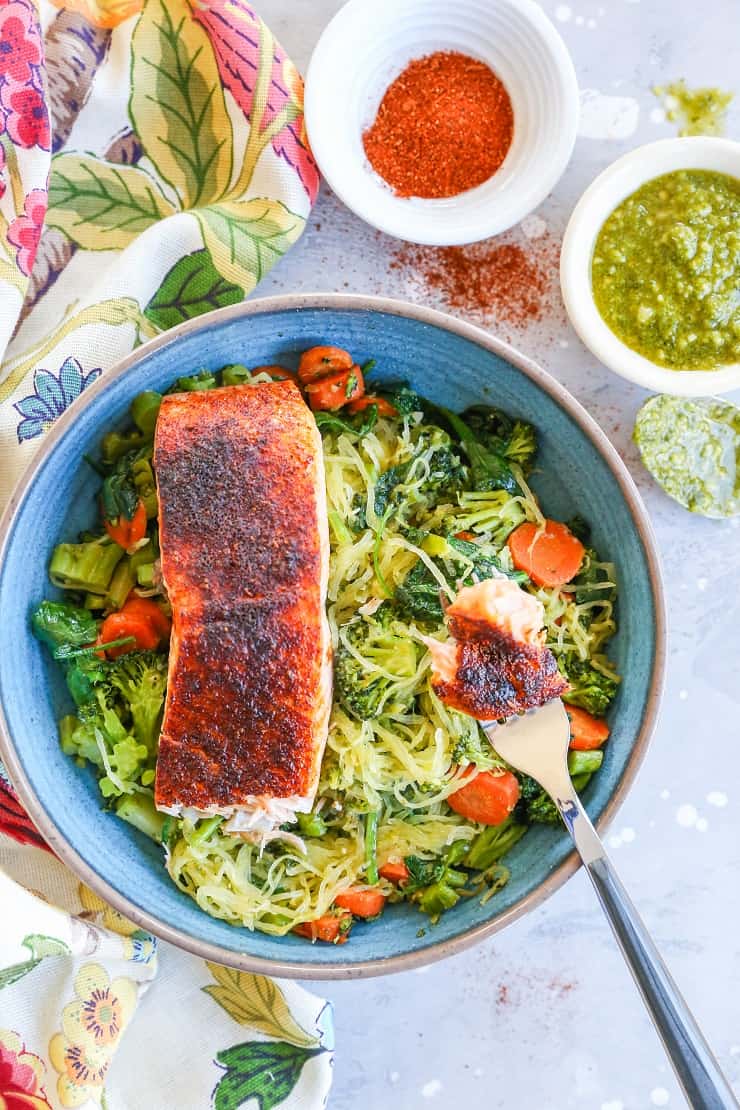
321	136
293	969
606	191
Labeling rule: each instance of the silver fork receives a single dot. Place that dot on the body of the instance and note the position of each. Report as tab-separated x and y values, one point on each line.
537	744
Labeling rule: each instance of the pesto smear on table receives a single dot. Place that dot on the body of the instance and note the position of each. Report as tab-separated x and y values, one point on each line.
666	270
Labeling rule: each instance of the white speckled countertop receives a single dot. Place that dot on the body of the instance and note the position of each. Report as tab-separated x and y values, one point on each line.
544	1016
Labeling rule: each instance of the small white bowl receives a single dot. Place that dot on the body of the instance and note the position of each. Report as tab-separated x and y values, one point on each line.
370	42
598	202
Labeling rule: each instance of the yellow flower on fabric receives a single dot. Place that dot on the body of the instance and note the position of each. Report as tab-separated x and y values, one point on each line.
91	1027
102	13
104	913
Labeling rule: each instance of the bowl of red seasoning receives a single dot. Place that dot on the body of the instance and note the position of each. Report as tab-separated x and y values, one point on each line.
441	123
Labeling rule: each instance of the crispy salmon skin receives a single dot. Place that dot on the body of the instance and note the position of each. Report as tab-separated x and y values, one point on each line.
244	544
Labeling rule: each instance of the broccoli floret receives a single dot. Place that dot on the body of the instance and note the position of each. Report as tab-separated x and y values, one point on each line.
522	446
374	675
119	705
489	469
435	884
140	677
514	440
542	810
589	688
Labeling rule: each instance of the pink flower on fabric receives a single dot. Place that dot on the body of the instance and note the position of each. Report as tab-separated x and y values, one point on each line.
27	117
25	231
3	185
20	44
234	30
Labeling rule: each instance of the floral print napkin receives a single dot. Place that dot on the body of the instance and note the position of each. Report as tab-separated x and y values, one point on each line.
153	166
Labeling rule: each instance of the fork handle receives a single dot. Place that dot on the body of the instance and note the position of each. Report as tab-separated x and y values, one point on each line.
696	1068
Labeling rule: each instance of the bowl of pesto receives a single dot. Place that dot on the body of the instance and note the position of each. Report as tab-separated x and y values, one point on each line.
650	266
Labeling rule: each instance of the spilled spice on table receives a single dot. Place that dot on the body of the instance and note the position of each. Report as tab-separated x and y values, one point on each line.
510	281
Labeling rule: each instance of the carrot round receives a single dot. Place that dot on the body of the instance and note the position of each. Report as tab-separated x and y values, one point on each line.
126	533
319	361
550	556
361	903
139	617
335	390
385	408
120	625
328	928
586	732
147	608
396	872
487	799
277	373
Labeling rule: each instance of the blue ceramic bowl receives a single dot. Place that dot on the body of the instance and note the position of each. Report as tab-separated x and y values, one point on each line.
451	362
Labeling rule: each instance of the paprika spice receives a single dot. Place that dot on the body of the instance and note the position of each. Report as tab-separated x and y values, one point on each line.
443	126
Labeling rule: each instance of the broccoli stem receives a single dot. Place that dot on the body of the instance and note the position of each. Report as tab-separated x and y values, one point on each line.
584	763
145	410
121	585
339	528
138	810
85	566
204	830
66	728
145	575
371	848
311	824
236	374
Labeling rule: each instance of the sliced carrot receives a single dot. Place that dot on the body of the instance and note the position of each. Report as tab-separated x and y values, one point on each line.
469	537
550	556
277	373
336	390
319	361
331	928
126	533
361	903
141	618
120	624
488	798
147	608
385	408
394	872
586	732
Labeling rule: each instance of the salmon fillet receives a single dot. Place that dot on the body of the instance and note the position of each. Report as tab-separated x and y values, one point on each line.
495	664
243	533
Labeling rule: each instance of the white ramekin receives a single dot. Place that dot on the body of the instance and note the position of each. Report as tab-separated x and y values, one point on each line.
597	203
367	44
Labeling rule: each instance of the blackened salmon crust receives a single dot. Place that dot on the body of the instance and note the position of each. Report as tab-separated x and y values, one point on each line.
498	675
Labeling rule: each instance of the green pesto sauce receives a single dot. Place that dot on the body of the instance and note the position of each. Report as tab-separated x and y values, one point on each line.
665	270
696	111
692	449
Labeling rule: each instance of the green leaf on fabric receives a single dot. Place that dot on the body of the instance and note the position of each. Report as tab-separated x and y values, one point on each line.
39	946
246	237
177	103
191	287
267	1073
102	206
258	1002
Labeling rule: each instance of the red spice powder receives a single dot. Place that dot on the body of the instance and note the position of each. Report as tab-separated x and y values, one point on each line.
512	282
443	126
